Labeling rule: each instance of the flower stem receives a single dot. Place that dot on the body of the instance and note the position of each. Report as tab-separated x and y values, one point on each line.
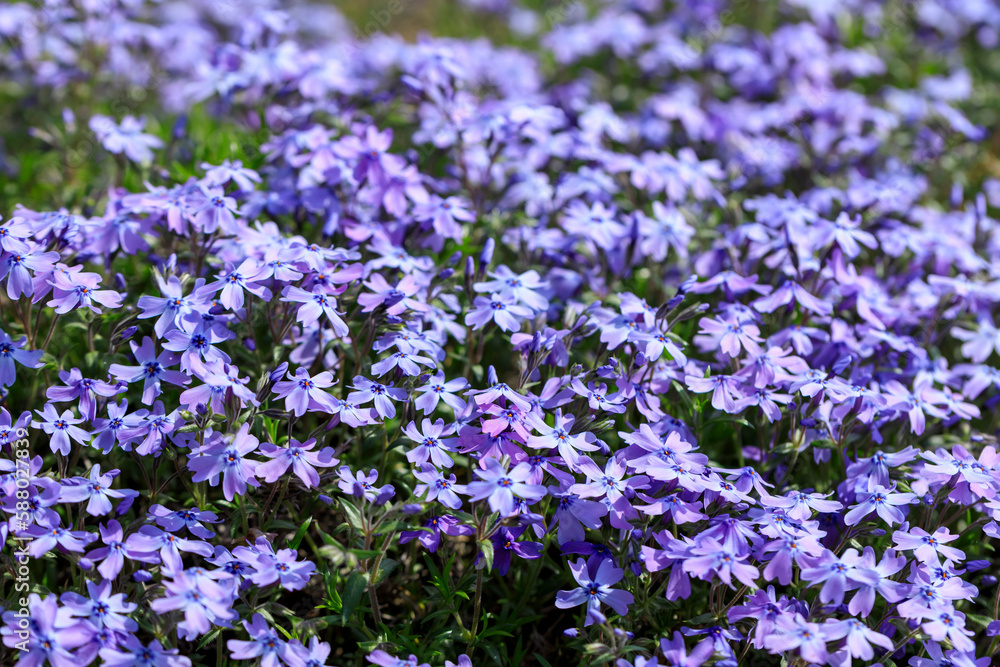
477	607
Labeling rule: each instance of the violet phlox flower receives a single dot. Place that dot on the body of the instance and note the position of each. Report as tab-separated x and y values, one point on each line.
228	460
303	393
299	457
596	588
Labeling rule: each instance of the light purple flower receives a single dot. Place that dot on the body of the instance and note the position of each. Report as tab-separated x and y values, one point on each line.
500	487
596	589
229	460
11	352
303	393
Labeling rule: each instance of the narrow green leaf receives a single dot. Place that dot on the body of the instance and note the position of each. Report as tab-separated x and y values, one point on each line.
353	515
487	548
300	533
353	590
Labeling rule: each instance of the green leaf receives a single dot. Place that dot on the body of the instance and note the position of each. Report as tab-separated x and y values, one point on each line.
207	639
353	590
542	661
353	515
385	567
487	548
300	533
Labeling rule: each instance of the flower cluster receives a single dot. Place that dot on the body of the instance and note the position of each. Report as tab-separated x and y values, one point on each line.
653	338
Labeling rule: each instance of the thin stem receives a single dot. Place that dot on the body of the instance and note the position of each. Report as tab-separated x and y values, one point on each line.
477	607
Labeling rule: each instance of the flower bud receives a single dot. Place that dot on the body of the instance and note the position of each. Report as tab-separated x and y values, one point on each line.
279	372
486	256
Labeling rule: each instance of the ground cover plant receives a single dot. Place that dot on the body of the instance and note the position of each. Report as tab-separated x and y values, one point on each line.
626	333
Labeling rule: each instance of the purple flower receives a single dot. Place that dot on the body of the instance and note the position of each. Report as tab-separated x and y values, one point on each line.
51	633
101	608
572	514
730	336
272	566
222	384
883	502
858	637
150	429
195	341
871	578
151	540
234	280
928	547
151	369
596	589
172	307
204	602
500	487
609	483
502	310
430	445
132	653
359	484
830	571
127	137
505	543
809	638
83	388
436	525
264	644
18	266
383	659
13	236
847	234
520	288
676	653
62	428
115	550
75	288
302	392
213	210
710	559
558	437
383	395
437	390
368	152
404	361
96	491
228	459
190	519
314	305
297	456
11	352
438	487
788	292
45	538
717	637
